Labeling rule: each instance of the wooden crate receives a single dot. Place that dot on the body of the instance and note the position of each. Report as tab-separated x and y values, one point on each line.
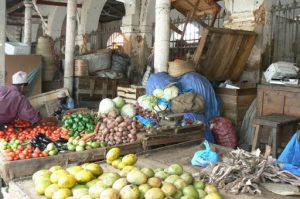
93	89
278	99
21	168
235	103
173	136
135	147
222	53
130	94
46	103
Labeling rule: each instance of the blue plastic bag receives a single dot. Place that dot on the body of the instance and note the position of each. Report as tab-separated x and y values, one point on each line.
290	157
205	157
147	122
291	153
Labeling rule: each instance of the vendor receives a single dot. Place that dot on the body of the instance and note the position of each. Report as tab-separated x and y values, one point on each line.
65	103
13	103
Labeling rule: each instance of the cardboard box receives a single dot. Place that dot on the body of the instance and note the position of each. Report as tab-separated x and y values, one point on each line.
26	63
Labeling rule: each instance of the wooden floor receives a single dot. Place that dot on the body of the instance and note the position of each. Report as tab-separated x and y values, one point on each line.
163	157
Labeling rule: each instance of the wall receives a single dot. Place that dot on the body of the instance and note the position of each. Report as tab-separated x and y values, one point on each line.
251	15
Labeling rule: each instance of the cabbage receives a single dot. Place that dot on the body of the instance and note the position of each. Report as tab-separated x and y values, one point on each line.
128	110
170	93
159	93
119	102
147	102
106	106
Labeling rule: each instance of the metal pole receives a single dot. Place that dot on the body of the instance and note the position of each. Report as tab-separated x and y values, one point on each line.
162	35
27	23
70	45
2	41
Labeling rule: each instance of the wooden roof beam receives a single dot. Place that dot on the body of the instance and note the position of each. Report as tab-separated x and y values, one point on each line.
55	3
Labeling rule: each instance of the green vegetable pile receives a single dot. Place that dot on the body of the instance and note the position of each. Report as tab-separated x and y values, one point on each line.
78	123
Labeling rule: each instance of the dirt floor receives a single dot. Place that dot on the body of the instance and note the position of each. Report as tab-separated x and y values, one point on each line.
154	159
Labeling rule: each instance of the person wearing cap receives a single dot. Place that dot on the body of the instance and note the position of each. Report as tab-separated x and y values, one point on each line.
65	103
13	103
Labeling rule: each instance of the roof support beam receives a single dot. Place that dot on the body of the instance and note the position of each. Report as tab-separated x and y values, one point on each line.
54	3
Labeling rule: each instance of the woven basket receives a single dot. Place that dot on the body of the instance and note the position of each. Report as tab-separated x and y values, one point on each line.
179	67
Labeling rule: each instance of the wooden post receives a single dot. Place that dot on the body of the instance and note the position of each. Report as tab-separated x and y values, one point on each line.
2	41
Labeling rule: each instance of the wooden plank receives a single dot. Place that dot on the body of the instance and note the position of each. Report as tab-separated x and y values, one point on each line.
135	147
21	168
170	139
222	54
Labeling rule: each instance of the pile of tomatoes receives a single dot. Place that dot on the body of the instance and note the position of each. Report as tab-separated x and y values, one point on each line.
21	123
23	153
53	132
26	134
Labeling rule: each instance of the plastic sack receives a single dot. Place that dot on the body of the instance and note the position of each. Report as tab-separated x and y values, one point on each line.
291	152
120	62
201	86
158	80
224	132
205	157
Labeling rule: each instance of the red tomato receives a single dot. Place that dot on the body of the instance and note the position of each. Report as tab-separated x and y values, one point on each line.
45	153
35	155
20	147
37	150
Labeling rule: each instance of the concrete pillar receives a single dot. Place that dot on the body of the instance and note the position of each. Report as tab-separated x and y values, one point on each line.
2	41
70	44
27	23
162	35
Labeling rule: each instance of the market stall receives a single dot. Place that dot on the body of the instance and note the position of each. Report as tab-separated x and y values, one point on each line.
159	158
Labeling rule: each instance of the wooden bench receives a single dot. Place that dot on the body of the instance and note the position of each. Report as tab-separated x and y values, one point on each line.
275	121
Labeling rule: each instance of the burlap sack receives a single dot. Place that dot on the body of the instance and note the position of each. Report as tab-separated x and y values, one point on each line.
188	102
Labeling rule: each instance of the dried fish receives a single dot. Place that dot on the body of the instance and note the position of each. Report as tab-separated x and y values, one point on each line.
241	172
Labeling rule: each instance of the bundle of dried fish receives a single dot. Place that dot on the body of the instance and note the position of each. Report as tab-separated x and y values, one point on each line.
243	171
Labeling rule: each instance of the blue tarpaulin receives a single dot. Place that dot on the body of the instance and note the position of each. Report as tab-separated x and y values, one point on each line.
190	82
290	156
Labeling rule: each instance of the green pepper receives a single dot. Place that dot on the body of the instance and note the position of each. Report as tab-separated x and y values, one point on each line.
74	126
71	133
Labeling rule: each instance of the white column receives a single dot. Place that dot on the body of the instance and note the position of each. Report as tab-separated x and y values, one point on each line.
27	23
2	41
162	35
70	44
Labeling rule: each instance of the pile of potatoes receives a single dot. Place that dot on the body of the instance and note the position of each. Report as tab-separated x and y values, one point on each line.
116	129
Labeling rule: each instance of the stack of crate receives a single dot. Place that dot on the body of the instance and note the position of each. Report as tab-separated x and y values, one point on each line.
130	94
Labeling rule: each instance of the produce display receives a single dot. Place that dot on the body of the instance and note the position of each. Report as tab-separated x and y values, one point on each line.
79	123
25	143
76	144
116	129
89	181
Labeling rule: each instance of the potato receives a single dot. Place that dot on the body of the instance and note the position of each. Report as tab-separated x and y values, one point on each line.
131	136
133	131
105	131
132	140
119	119
105	120
119	134
111	130
123	124
129	127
